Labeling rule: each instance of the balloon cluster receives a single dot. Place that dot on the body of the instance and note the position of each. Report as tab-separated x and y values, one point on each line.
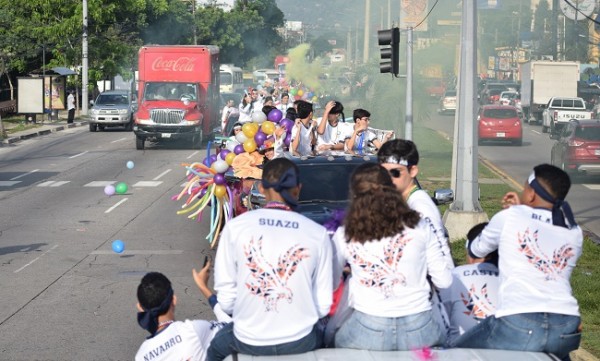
206	182
301	93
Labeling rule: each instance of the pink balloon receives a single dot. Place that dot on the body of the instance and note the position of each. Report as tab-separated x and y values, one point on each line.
275	115
260	137
238	149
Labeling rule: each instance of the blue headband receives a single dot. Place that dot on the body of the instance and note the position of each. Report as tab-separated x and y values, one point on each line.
560	208
148	319
287	181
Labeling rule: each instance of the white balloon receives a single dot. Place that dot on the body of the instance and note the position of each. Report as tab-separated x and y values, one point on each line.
220	166
231	145
258	117
241	137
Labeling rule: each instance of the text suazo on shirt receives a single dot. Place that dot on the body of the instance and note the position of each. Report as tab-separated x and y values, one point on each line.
277	223
162	348
541	218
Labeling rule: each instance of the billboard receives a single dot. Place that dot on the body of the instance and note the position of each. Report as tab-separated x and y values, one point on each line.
412	13
30	95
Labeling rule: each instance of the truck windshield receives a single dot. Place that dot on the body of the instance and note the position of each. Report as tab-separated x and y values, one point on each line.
170	91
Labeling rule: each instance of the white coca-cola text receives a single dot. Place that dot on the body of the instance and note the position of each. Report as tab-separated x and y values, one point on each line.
183	63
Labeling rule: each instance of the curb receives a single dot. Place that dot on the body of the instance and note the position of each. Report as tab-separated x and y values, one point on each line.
36	133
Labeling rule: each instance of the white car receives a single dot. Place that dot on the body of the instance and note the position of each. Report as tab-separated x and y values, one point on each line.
508	97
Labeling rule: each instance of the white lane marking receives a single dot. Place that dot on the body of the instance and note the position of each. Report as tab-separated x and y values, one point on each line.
536	132
116	205
193	154
42	255
24	174
141	251
8	183
594	187
99	183
53	183
162	174
119	140
147	184
77	155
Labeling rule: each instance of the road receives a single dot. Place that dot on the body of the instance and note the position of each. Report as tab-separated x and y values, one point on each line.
65	294
517	163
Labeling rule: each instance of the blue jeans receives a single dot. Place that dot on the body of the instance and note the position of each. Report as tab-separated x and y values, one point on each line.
365	332
541	332
225	343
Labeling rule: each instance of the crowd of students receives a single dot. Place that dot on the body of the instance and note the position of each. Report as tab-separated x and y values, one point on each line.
389	267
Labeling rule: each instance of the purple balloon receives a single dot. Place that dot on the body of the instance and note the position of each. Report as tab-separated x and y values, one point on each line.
238	149
219	178
202	193
275	115
260	138
206	161
288	140
213	158
224	153
287	124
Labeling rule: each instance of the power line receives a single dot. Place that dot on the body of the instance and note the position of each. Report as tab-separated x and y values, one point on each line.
428	13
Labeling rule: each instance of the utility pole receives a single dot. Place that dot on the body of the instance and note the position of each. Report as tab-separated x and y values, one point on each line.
466	211
367	26
389	20
84	62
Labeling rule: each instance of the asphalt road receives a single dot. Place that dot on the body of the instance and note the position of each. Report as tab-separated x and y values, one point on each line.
65	294
518	162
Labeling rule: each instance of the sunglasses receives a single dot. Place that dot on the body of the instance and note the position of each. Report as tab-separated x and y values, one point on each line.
395	173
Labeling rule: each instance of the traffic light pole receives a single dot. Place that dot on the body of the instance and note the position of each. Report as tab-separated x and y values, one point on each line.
409	86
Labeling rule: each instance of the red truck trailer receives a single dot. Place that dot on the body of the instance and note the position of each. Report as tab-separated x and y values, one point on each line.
178	93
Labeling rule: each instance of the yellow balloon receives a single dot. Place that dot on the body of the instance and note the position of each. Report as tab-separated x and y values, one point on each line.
229	157
249	130
250	145
256	127
300	92
220	191
267	127
314	98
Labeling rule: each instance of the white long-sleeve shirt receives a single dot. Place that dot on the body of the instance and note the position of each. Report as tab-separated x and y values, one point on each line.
536	260
273	273
389	276
421	202
471	298
187	340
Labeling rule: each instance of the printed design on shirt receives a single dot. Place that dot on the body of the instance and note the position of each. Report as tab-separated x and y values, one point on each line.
268	281
478	303
437	233
381	273
551	267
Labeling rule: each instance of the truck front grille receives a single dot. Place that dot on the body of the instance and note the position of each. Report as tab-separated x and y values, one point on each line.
166	116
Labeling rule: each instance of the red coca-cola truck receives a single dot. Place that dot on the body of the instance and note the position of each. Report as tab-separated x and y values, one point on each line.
178	93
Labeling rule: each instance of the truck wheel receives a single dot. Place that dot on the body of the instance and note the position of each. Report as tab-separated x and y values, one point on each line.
139	143
196	141
129	126
93	127
544	129
101	127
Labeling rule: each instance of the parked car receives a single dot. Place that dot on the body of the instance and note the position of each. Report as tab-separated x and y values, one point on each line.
500	122
448	102
113	108
577	149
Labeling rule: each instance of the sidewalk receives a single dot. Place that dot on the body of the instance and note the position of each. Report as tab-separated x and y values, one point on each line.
41	128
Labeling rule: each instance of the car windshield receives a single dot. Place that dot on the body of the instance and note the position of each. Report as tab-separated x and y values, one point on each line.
112	99
451	93
500	113
325	182
588	133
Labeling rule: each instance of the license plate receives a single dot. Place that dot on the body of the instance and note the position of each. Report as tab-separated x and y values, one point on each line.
500	135
597	152
165	135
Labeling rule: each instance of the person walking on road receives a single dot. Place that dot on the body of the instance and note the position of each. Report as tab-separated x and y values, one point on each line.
71	107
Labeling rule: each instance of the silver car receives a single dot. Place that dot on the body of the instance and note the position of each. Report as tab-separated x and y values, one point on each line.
113	108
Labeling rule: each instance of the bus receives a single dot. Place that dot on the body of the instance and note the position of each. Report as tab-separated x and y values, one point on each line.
232	79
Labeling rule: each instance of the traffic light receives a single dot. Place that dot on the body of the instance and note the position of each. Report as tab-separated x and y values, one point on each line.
390	40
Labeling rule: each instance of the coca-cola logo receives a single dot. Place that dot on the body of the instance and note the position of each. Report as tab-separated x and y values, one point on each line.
183	63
